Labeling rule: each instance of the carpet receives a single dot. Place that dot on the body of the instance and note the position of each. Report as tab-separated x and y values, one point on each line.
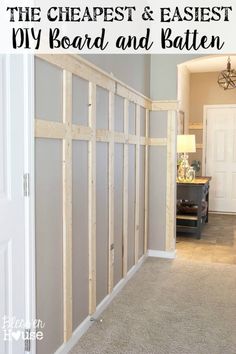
169	307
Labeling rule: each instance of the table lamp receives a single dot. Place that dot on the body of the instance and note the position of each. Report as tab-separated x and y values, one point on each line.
185	144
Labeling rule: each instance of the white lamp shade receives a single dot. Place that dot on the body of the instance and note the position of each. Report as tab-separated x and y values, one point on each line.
186	143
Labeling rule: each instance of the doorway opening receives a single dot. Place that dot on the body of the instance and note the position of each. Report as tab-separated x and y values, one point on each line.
210	114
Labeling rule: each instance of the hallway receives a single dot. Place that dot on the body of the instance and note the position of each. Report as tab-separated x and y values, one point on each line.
185	306
217	245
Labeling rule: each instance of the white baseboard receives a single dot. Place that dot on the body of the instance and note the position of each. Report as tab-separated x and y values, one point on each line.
162	254
77	334
222	213
84	326
105	302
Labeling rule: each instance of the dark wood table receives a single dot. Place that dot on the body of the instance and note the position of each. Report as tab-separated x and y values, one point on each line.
196	191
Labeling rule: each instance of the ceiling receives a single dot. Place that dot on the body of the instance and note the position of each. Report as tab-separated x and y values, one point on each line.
210	63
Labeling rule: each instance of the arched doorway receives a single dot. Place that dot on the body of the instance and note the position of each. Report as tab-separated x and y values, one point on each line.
198	90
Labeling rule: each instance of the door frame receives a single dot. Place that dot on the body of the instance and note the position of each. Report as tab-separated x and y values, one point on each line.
24	78
30	267
204	133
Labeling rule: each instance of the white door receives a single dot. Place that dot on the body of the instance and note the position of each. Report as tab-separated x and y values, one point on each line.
221	157
12	206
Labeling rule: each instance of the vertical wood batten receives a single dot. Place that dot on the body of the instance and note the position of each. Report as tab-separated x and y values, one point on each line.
92	198
171	181
146	183
66	132
111	194
125	188
67	205
137	185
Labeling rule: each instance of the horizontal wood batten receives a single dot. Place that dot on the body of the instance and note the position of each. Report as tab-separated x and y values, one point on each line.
55	130
87	71
120	138
78	68
81	132
104	135
157	142
49	129
165	105
131	96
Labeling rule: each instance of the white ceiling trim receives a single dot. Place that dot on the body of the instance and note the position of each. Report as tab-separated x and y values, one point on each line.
213	63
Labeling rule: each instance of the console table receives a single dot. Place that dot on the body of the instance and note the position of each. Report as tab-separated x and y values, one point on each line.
196	191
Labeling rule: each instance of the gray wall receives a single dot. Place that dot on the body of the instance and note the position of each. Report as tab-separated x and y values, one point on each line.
80	264
102	221
48	210
163	75
157	198
118	212
46	73
157	183
133	69
142	201
131	207
49	240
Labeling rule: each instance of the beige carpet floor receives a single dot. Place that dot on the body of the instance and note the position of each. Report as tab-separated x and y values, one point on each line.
169	307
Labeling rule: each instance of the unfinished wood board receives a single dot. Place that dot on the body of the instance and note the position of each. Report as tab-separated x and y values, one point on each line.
165	105
67	205
125	190
92	199
118	212
80	101
137	183
81	133
48	91
102	221
52	130
49	242
146	184
111	178
80	233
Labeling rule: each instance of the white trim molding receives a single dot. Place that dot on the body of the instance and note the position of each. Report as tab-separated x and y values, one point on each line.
162	254
204	132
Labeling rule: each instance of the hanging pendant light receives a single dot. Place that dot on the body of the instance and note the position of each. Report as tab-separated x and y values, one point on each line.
227	78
